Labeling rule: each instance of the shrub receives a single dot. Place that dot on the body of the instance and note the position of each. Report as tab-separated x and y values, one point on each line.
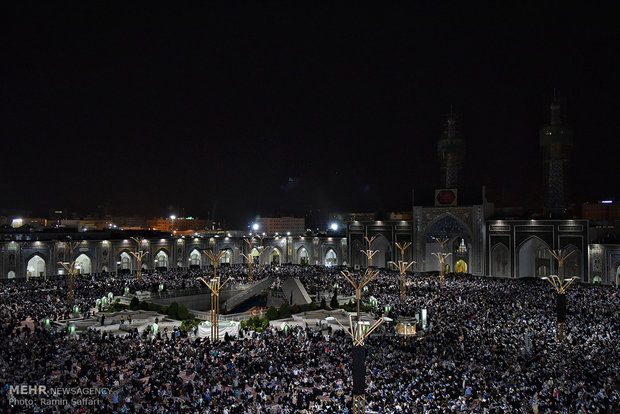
183	313
323	303
284	311
334	302
272	313
135	303
173	310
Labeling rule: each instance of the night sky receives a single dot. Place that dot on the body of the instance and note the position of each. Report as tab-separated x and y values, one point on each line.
286	107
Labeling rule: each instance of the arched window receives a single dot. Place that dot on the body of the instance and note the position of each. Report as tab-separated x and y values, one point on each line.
11	274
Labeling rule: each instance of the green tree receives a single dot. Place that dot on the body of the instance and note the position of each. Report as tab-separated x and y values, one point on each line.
134	304
334	302
183	313
173	310
323	303
272	313
285	310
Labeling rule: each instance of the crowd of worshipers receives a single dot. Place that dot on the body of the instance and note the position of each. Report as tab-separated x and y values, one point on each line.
492	348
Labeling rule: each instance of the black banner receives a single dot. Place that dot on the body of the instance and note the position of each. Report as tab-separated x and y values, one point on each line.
561	308
359	370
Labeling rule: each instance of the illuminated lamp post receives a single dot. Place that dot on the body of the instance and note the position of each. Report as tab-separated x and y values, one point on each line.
215	287
402	268
560	285
172	217
71	270
248	256
441	256
359	332
139	254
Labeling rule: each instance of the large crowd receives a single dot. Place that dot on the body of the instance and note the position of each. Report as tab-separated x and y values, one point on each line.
491	347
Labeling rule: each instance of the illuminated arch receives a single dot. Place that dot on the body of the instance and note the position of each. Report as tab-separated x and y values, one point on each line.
303	257
331	259
83	263
161	260
125	262
35	267
460	266
226	257
274	257
195	259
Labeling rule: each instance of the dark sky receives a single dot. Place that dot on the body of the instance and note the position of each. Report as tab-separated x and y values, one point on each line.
266	108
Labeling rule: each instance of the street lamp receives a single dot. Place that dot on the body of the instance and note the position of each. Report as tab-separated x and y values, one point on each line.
402	268
441	256
360	331
560	285
215	287
139	254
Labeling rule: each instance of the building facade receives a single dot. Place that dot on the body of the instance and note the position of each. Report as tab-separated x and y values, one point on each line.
38	254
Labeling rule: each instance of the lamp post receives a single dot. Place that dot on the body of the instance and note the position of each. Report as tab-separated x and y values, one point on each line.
358	332
248	256
70	268
402	268
172	217
215	287
560	285
441	256
139	254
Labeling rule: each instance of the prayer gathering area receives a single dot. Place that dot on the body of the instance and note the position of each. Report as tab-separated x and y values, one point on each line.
486	345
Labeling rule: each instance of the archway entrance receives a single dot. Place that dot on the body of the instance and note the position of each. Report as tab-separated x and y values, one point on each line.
330	258
255	256
83	263
195	259
161	260
534	258
35	267
227	257
11	274
125	264
303	257
460	266
275	257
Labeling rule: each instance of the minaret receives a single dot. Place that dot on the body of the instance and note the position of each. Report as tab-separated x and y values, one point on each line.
451	153
556	142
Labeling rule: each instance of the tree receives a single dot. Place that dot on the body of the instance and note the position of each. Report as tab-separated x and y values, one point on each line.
134	304
173	310
285	310
272	313
334	302
323	303
183	312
